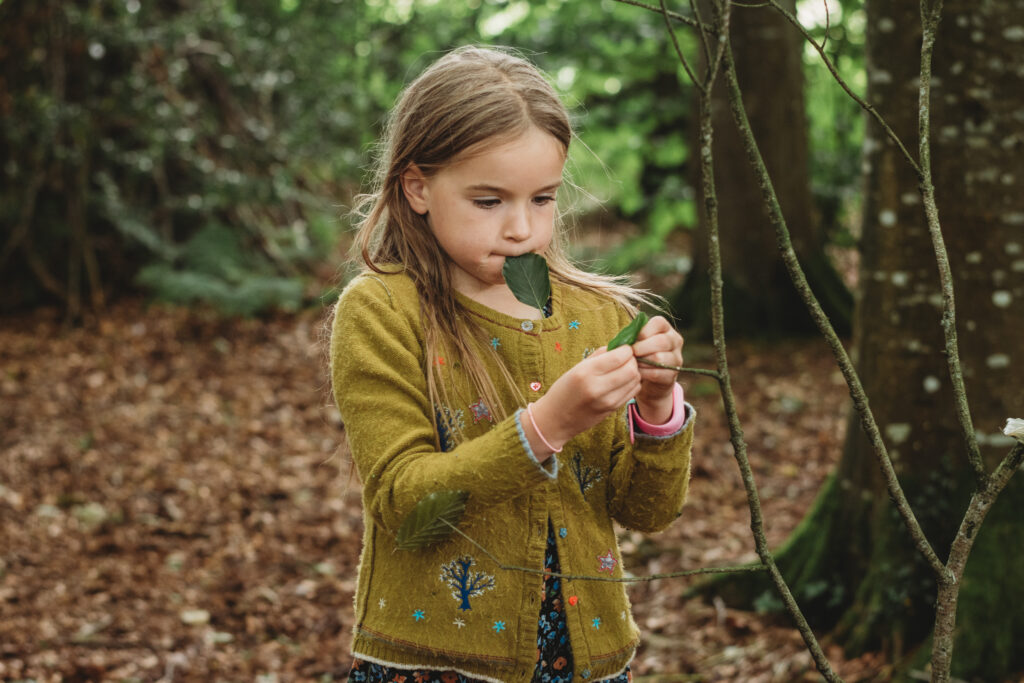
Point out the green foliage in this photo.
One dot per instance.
(128, 128)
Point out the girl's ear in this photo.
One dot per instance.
(416, 190)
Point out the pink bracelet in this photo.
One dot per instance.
(529, 411)
(674, 422)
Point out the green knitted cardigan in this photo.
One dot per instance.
(448, 606)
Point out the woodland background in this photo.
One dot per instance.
(176, 501)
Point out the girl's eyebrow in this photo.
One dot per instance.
(483, 187)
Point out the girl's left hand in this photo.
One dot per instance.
(657, 341)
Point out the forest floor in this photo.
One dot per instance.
(176, 505)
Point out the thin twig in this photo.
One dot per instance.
(694, 371)
(625, 579)
(869, 108)
(828, 21)
(672, 32)
(709, 60)
(689, 21)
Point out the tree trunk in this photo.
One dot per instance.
(851, 563)
(760, 300)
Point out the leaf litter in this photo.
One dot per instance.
(176, 503)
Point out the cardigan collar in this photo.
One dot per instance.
(552, 322)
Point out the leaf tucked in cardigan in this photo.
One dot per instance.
(448, 606)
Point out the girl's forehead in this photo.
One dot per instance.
(534, 149)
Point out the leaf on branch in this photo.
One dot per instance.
(627, 335)
(527, 276)
(426, 523)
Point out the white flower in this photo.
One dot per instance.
(1015, 428)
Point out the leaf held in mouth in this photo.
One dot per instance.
(527, 276)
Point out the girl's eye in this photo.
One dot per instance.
(488, 203)
(544, 199)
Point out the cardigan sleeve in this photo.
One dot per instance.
(650, 476)
(376, 359)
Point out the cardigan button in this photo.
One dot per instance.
(527, 325)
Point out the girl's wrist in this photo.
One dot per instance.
(548, 430)
(657, 411)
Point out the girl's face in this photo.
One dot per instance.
(491, 205)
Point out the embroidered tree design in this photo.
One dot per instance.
(586, 475)
(448, 422)
(465, 584)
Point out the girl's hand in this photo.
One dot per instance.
(659, 342)
(592, 390)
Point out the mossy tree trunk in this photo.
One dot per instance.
(851, 563)
(760, 299)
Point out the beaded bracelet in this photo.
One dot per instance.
(529, 411)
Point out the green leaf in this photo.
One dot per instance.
(425, 524)
(627, 335)
(527, 276)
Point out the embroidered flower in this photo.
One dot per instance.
(382, 602)
(499, 626)
(573, 600)
(563, 532)
(495, 342)
(574, 325)
(398, 679)
(535, 386)
(449, 677)
(418, 615)
(459, 622)
(559, 664)
(587, 351)
(608, 562)
(439, 360)
(596, 622)
(586, 673)
(420, 677)
(558, 346)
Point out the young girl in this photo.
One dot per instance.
(446, 382)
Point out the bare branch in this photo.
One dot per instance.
(709, 60)
(869, 108)
(828, 21)
(679, 53)
(682, 18)
(796, 274)
(929, 25)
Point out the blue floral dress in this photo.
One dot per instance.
(554, 651)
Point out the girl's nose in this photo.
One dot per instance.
(517, 226)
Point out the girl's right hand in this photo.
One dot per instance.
(589, 392)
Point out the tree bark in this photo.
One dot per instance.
(851, 563)
(760, 299)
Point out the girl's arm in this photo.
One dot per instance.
(650, 470)
(379, 386)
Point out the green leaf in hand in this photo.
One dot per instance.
(627, 335)
(527, 276)
(425, 524)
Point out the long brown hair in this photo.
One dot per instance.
(470, 98)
